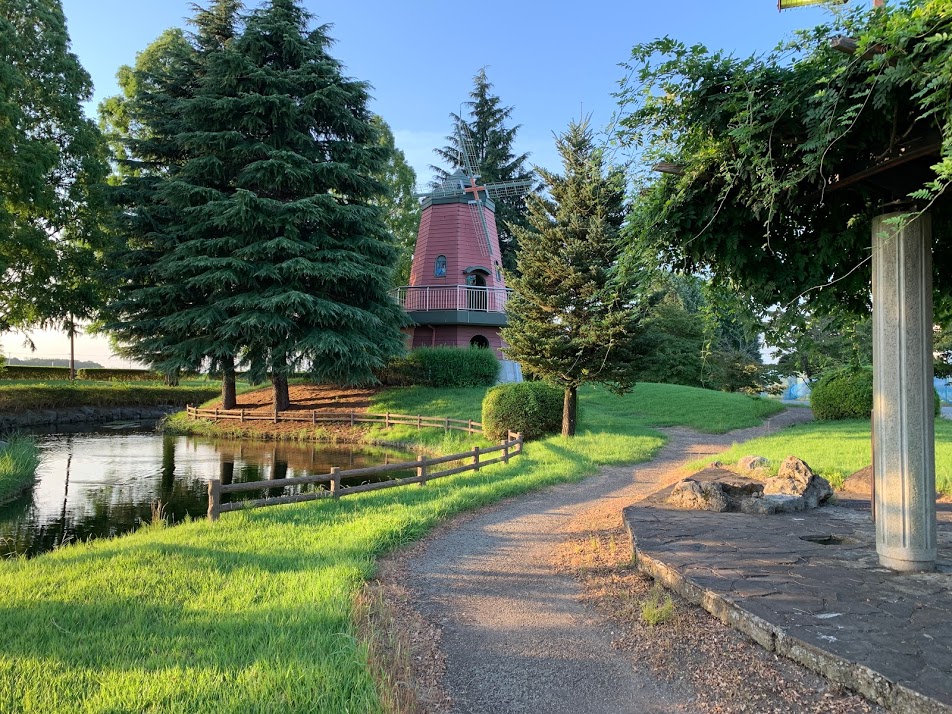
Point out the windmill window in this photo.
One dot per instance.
(439, 270)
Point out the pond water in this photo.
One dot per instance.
(108, 480)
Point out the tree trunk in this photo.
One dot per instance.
(282, 400)
(569, 410)
(72, 349)
(229, 399)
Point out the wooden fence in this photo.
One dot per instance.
(512, 446)
(317, 417)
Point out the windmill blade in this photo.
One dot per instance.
(470, 159)
(482, 229)
(508, 189)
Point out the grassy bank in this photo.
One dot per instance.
(18, 462)
(24, 396)
(254, 613)
(835, 449)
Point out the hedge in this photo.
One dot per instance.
(21, 371)
(533, 408)
(442, 367)
(24, 397)
(847, 393)
(100, 374)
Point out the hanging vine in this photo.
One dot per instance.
(757, 151)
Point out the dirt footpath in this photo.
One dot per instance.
(528, 607)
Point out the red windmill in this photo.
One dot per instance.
(457, 294)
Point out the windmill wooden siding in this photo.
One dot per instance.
(446, 309)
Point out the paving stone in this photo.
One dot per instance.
(853, 619)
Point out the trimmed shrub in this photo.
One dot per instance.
(847, 393)
(118, 375)
(533, 408)
(23, 397)
(22, 371)
(442, 367)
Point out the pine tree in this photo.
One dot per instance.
(570, 320)
(152, 125)
(493, 142)
(52, 163)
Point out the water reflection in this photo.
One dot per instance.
(107, 481)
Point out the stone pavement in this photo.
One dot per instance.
(808, 585)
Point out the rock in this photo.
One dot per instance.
(749, 463)
(691, 495)
(860, 483)
(716, 464)
(3, 445)
(796, 478)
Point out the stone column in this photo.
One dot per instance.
(904, 458)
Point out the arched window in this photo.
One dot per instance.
(439, 270)
(480, 342)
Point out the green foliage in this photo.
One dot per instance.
(18, 462)
(533, 409)
(442, 367)
(3, 363)
(53, 362)
(845, 393)
(52, 161)
(492, 140)
(756, 144)
(25, 397)
(809, 345)
(34, 372)
(657, 608)
(119, 375)
(570, 320)
(835, 450)
(401, 209)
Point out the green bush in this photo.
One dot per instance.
(23, 397)
(119, 375)
(847, 393)
(442, 367)
(20, 371)
(532, 408)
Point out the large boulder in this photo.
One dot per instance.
(698, 496)
(796, 478)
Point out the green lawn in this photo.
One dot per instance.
(18, 462)
(835, 449)
(254, 613)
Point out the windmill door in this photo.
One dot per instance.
(476, 292)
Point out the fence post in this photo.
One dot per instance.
(216, 413)
(446, 425)
(419, 421)
(335, 482)
(352, 417)
(520, 440)
(470, 431)
(214, 499)
(421, 469)
(387, 420)
(313, 417)
(242, 416)
(476, 458)
(275, 415)
(505, 451)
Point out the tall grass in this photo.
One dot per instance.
(835, 449)
(18, 462)
(254, 613)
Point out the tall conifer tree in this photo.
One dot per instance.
(493, 140)
(570, 321)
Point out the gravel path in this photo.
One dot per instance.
(515, 634)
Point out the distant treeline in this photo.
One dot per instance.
(46, 362)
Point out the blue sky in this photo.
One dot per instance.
(550, 61)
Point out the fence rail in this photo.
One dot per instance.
(342, 417)
(512, 446)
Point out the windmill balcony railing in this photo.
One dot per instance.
(452, 297)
